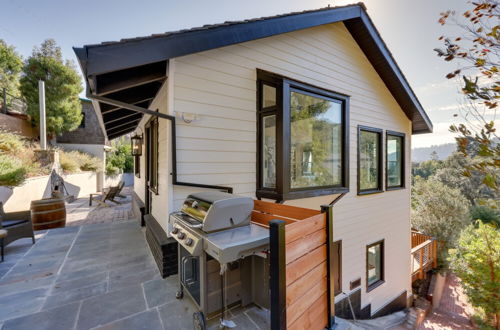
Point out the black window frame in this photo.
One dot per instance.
(284, 86)
(403, 160)
(380, 187)
(137, 166)
(152, 140)
(370, 287)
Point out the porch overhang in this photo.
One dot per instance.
(133, 70)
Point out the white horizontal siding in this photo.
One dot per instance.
(219, 147)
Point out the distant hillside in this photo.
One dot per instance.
(442, 150)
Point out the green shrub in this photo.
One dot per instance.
(120, 158)
(10, 143)
(68, 163)
(12, 171)
(486, 214)
(74, 161)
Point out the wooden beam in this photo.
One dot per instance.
(128, 115)
(113, 130)
(133, 77)
(121, 123)
(110, 108)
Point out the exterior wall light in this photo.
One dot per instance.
(136, 141)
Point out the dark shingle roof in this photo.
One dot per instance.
(217, 25)
(107, 57)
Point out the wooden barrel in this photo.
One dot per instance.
(48, 213)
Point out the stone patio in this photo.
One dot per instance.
(96, 276)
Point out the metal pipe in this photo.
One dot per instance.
(172, 139)
(41, 101)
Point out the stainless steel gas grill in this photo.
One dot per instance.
(222, 255)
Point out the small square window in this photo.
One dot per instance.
(374, 265)
(268, 96)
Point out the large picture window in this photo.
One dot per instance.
(302, 139)
(316, 140)
(374, 265)
(395, 160)
(369, 160)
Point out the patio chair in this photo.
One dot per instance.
(108, 195)
(120, 187)
(17, 224)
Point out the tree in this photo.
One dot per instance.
(120, 158)
(477, 52)
(439, 211)
(62, 88)
(11, 65)
(476, 260)
(426, 168)
(471, 186)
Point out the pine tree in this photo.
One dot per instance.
(62, 88)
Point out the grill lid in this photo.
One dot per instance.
(218, 210)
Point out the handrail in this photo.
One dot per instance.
(418, 238)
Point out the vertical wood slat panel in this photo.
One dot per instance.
(298, 260)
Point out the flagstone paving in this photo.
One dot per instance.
(97, 276)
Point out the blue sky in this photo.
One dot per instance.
(409, 28)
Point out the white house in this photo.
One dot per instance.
(301, 108)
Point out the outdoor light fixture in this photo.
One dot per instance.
(136, 141)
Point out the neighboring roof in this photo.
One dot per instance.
(108, 64)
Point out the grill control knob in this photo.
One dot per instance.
(175, 230)
(189, 242)
(181, 235)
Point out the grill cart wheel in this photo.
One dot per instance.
(179, 294)
(199, 321)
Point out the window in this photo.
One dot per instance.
(395, 160)
(302, 139)
(374, 265)
(369, 160)
(137, 166)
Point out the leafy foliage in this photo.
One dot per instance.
(471, 186)
(74, 161)
(11, 65)
(486, 214)
(18, 159)
(476, 260)
(12, 171)
(62, 88)
(477, 54)
(439, 211)
(426, 168)
(120, 158)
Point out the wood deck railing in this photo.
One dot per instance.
(423, 255)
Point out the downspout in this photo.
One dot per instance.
(172, 139)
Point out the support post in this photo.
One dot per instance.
(434, 254)
(41, 101)
(421, 261)
(330, 255)
(277, 270)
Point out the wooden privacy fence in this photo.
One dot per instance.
(302, 292)
(423, 255)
